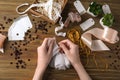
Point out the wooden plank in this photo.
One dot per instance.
(8, 63)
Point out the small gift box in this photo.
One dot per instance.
(48, 10)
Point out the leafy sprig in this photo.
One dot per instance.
(96, 8)
(108, 20)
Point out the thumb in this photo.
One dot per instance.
(64, 48)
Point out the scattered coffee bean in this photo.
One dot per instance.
(25, 49)
(109, 56)
(6, 22)
(33, 20)
(1, 24)
(28, 59)
(11, 54)
(9, 20)
(115, 60)
(17, 67)
(11, 62)
(4, 17)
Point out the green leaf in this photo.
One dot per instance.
(95, 8)
(108, 20)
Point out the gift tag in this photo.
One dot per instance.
(80, 8)
(87, 24)
(17, 35)
(106, 9)
(19, 27)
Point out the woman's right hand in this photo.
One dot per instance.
(71, 50)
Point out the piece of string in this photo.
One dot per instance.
(26, 4)
(50, 9)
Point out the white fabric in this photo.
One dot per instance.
(59, 60)
(2, 50)
(63, 34)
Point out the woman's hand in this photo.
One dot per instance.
(44, 57)
(45, 52)
(71, 50)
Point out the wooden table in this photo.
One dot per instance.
(19, 60)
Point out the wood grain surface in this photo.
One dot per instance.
(19, 60)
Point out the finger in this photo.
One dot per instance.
(51, 47)
(64, 48)
(67, 42)
(45, 42)
(38, 49)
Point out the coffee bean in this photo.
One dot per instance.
(20, 61)
(4, 17)
(6, 22)
(11, 54)
(33, 19)
(18, 45)
(28, 59)
(11, 62)
(9, 20)
(15, 58)
(109, 56)
(20, 49)
(25, 49)
(3, 27)
(24, 44)
(17, 67)
(33, 38)
(23, 67)
(1, 24)
(115, 60)
(18, 57)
